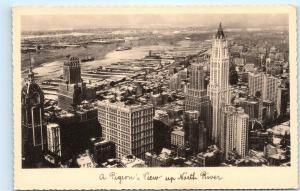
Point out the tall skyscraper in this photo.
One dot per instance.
(194, 131)
(130, 127)
(218, 88)
(196, 97)
(197, 77)
(72, 70)
(33, 127)
(71, 90)
(236, 125)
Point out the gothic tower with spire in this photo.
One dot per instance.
(33, 127)
(219, 89)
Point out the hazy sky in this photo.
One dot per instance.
(50, 22)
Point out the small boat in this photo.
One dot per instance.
(88, 59)
(123, 48)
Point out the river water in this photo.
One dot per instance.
(54, 69)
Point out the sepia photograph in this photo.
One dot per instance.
(154, 90)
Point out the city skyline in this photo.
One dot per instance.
(192, 103)
(73, 22)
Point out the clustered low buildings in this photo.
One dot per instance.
(183, 112)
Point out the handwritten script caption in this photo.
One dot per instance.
(149, 176)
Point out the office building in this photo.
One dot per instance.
(72, 91)
(196, 97)
(156, 99)
(258, 139)
(76, 130)
(236, 126)
(194, 131)
(266, 85)
(282, 101)
(85, 160)
(249, 67)
(161, 131)
(174, 82)
(218, 88)
(129, 126)
(177, 138)
(183, 75)
(252, 106)
(211, 157)
(199, 101)
(255, 84)
(102, 149)
(54, 139)
(197, 77)
(139, 89)
(268, 112)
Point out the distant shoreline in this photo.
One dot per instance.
(97, 51)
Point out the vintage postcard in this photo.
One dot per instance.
(155, 97)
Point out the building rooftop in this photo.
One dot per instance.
(166, 151)
(72, 61)
(156, 95)
(160, 114)
(99, 140)
(178, 132)
(281, 129)
(131, 161)
(52, 125)
(85, 161)
(278, 156)
(67, 115)
(121, 104)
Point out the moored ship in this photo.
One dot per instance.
(123, 48)
(87, 59)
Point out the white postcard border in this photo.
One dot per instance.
(230, 177)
